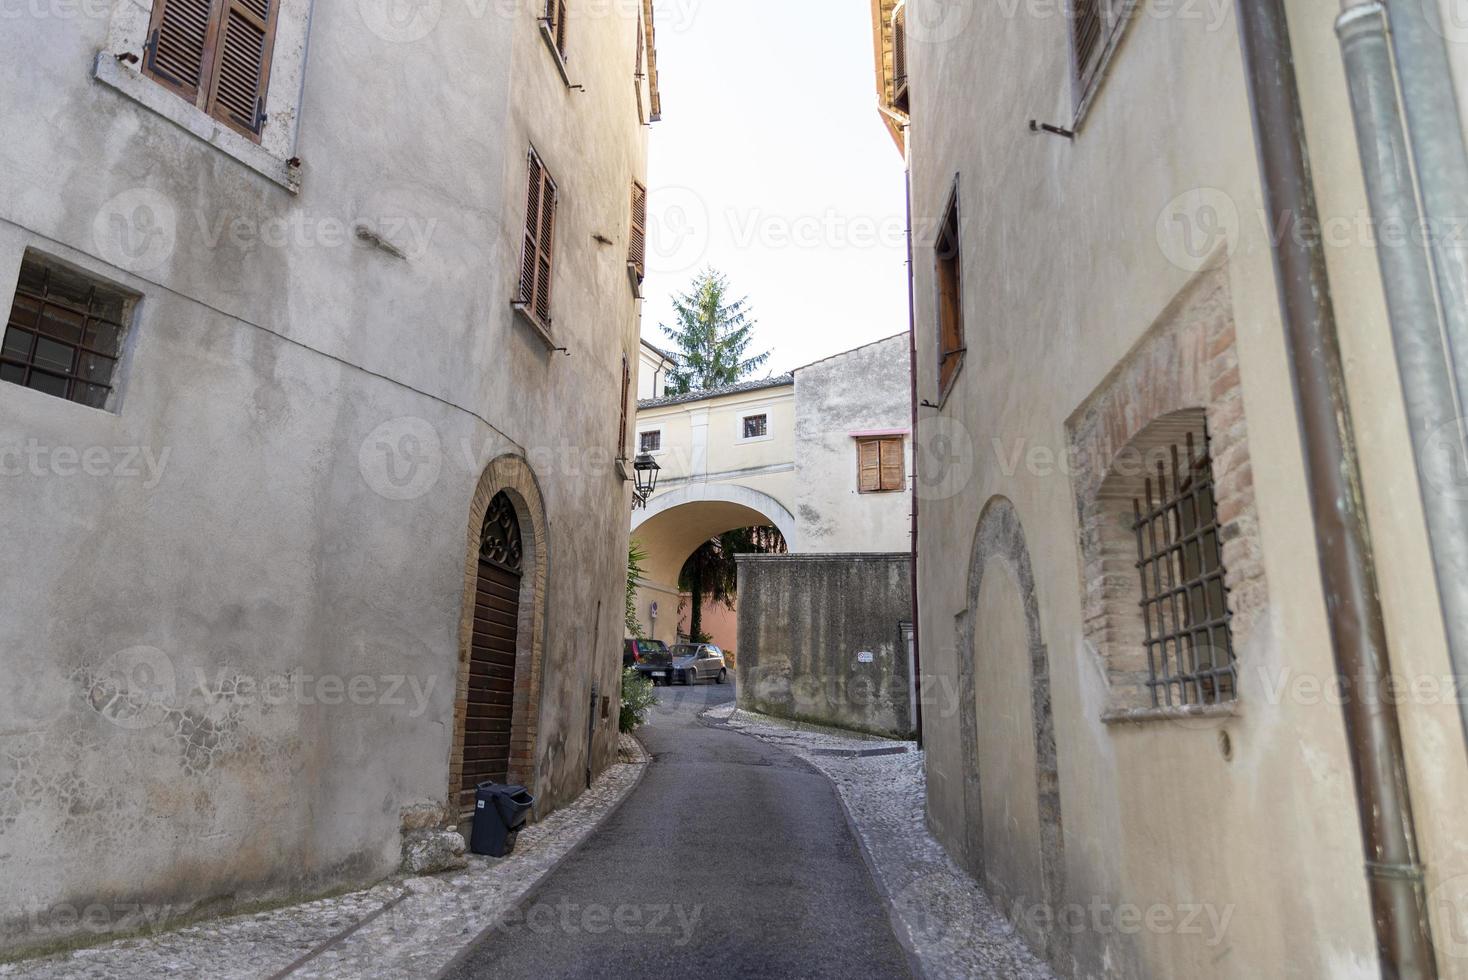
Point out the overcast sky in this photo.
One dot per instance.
(772, 165)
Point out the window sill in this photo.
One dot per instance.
(745, 441)
(1142, 716)
(522, 312)
(549, 37)
(149, 94)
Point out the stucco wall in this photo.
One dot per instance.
(284, 588)
(1072, 252)
(820, 639)
(860, 391)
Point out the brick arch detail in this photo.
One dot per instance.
(1000, 534)
(510, 474)
(1184, 371)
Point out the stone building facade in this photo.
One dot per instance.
(341, 307)
(1101, 362)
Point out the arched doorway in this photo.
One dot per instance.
(489, 712)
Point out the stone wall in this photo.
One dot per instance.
(807, 624)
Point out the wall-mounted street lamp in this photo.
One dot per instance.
(645, 473)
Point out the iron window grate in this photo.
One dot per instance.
(64, 335)
(1185, 615)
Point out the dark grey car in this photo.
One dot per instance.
(685, 663)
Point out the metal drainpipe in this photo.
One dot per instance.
(1358, 633)
(1433, 408)
(917, 661)
(1436, 133)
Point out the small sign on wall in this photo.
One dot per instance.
(864, 657)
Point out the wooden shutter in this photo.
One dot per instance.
(181, 40)
(216, 54)
(557, 13)
(242, 69)
(540, 223)
(637, 250)
(950, 297)
(869, 465)
(1086, 32)
(891, 462)
(626, 390)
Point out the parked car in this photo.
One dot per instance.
(685, 663)
(633, 651)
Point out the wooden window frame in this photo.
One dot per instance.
(537, 256)
(107, 310)
(211, 92)
(884, 447)
(948, 294)
(900, 92)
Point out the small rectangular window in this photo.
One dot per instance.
(626, 390)
(65, 332)
(950, 297)
(756, 426)
(881, 465)
(650, 442)
(536, 258)
(216, 54)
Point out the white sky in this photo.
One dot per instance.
(772, 165)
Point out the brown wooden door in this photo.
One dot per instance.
(491, 697)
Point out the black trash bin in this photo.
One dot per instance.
(499, 813)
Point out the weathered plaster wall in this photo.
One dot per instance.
(237, 667)
(859, 391)
(803, 621)
(1072, 252)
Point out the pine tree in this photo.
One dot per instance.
(712, 335)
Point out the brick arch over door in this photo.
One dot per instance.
(512, 476)
(1000, 535)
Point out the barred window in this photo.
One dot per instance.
(65, 332)
(756, 426)
(1184, 601)
(650, 442)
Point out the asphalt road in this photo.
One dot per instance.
(732, 858)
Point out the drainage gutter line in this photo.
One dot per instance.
(1357, 628)
(1435, 129)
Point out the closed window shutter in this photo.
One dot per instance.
(181, 41)
(216, 54)
(626, 390)
(556, 11)
(540, 224)
(950, 297)
(638, 247)
(1086, 28)
(242, 71)
(869, 465)
(891, 463)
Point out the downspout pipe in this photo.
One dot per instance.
(1348, 577)
(917, 661)
(1441, 162)
(1434, 412)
